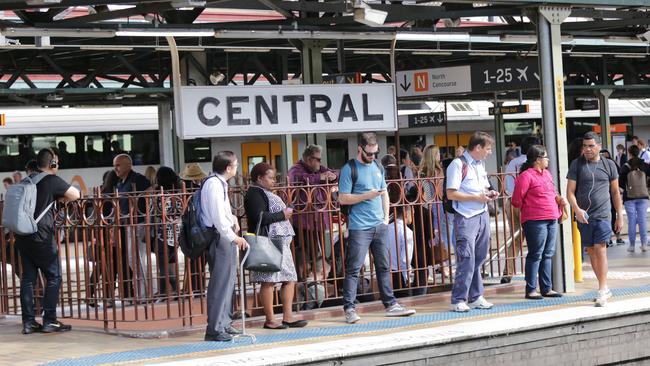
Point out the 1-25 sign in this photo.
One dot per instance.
(506, 75)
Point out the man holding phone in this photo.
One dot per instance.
(367, 223)
(469, 189)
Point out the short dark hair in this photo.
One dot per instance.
(634, 151)
(31, 166)
(167, 178)
(592, 136)
(403, 154)
(8, 180)
(529, 141)
(479, 138)
(367, 139)
(222, 160)
(45, 157)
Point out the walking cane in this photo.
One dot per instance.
(242, 299)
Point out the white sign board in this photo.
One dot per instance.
(444, 80)
(222, 111)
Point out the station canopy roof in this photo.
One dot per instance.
(77, 52)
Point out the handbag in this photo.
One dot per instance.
(563, 209)
(263, 255)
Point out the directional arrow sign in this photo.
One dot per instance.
(431, 119)
(444, 80)
(505, 75)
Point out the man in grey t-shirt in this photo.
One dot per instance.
(592, 182)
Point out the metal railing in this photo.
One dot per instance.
(121, 262)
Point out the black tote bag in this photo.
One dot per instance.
(263, 255)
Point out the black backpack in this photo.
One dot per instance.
(354, 174)
(195, 238)
(448, 204)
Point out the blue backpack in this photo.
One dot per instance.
(195, 237)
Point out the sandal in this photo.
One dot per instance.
(277, 327)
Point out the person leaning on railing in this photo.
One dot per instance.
(535, 195)
(262, 204)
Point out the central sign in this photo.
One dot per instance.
(286, 109)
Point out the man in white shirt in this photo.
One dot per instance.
(222, 258)
(644, 154)
(512, 170)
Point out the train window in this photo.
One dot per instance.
(142, 146)
(94, 151)
(67, 151)
(10, 152)
(197, 150)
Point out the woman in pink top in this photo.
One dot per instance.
(534, 195)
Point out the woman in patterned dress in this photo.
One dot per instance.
(276, 225)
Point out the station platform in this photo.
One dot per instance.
(433, 333)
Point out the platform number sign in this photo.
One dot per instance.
(506, 75)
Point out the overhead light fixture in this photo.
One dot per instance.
(364, 14)
(57, 32)
(631, 55)
(528, 39)
(114, 96)
(432, 53)
(585, 54)
(486, 53)
(42, 2)
(187, 4)
(247, 49)
(632, 40)
(165, 33)
(182, 48)
(301, 34)
(371, 52)
(432, 37)
(105, 48)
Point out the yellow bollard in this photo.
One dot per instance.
(577, 251)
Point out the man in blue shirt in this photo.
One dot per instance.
(470, 191)
(367, 224)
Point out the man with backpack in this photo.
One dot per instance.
(468, 188)
(363, 189)
(222, 255)
(39, 250)
(592, 183)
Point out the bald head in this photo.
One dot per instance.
(122, 164)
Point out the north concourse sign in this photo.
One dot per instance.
(222, 111)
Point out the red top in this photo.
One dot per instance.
(535, 195)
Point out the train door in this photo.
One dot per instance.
(263, 151)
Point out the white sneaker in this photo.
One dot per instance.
(460, 307)
(398, 310)
(603, 296)
(480, 303)
(351, 316)
(630, 249)
(644, 247)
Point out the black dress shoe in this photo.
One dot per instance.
(534, 296)
(55, 327)
(32, 327)
(277, 327)
(506, 279)
(218, 337)
(296, 324)
(233, 331)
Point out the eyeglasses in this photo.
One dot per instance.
(369, 154)
(543, 157)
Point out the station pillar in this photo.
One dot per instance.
(165, 134)
(605, 131)
(549, 43)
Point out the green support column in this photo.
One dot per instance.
(605, 131)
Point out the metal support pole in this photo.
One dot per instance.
(499, 132)
(554, 124)
(312, 71)
(165, 134)
(393, 75)
(605, 131)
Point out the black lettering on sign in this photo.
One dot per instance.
(201, 111)
(293, 99)
(347, 109)
(323, 109)
(232, 110)
(271, 113)
(366, 115)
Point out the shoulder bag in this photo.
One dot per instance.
(263, 255)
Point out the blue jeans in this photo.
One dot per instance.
(636, 215)
(541, 236)
(472, 245)
(355, 253)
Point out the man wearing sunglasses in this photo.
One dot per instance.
(306, 221)
(367, 223)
